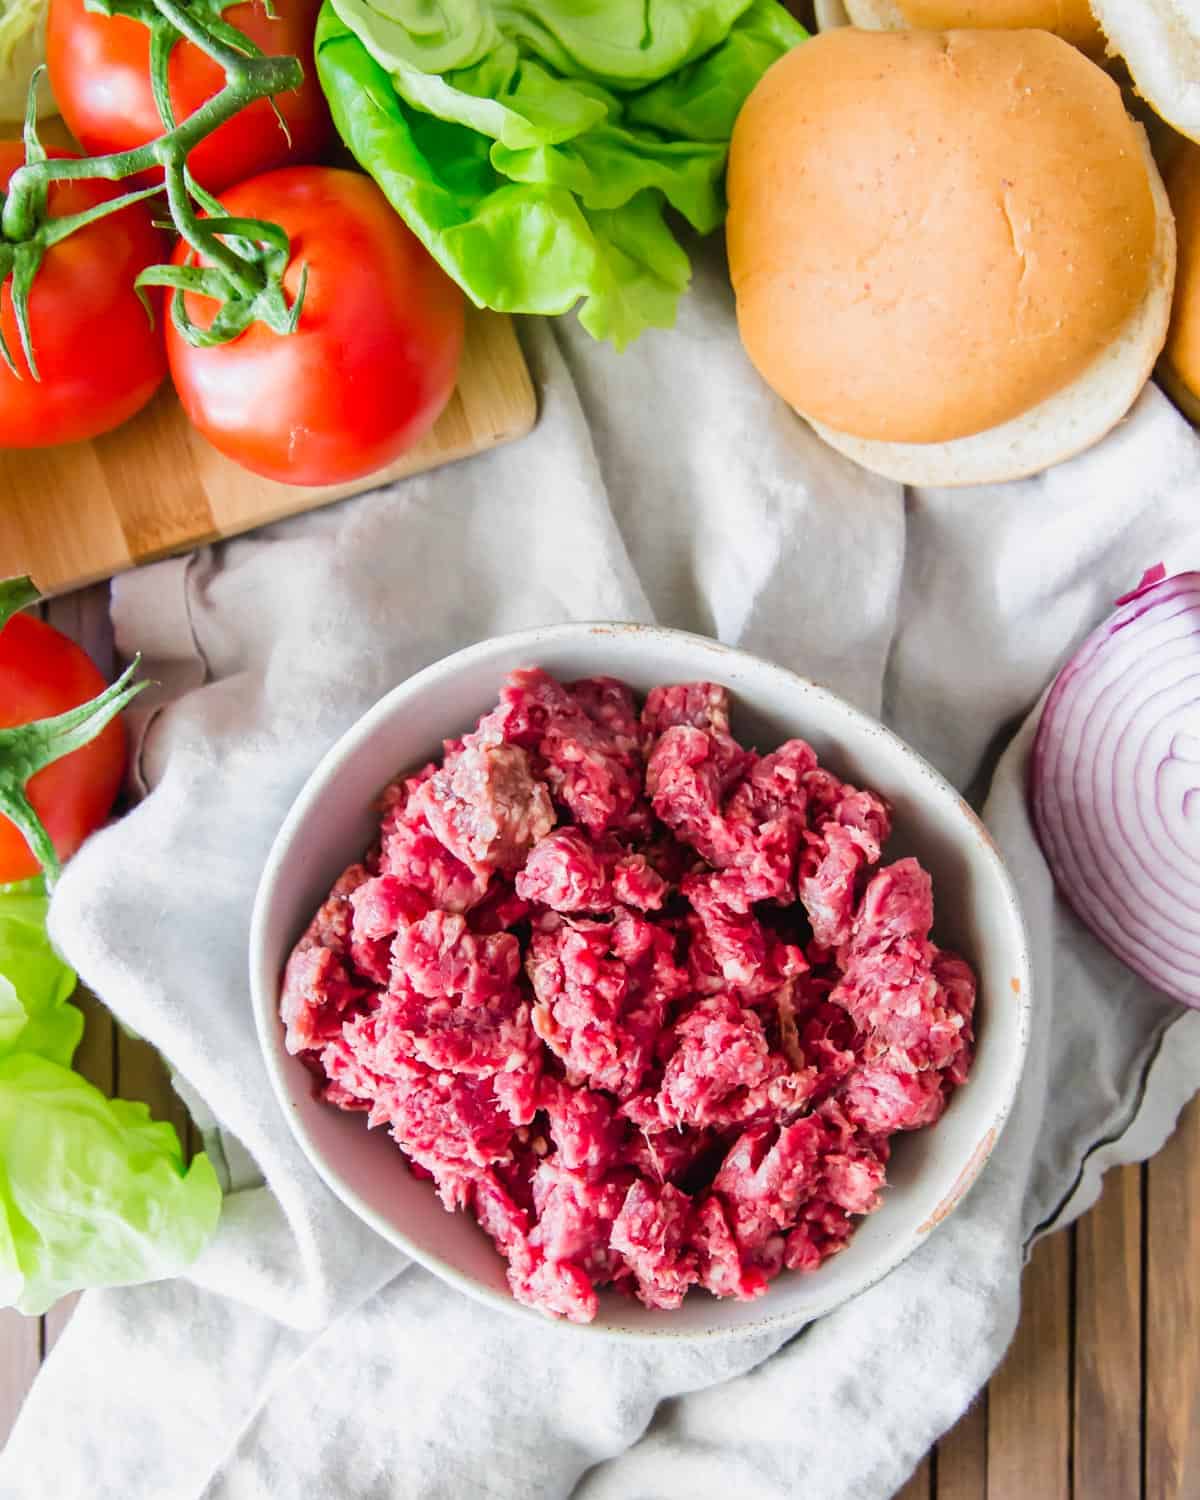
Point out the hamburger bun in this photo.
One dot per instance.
(1160, 43)
(967, 282)
(1070, 19)
(1180, 368)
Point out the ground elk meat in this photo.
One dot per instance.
(649, 1004)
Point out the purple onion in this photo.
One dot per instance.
(1115, 782)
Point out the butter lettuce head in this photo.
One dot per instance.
(535, 149)
(92, 1191)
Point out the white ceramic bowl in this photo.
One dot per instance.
(331, 824)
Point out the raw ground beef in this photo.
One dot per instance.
(645, 1002)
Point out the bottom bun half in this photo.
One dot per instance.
(1160, 42)
(1062, 425)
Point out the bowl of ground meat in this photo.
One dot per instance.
(629, 981)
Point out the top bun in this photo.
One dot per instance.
(931, 233)
(1070, 19)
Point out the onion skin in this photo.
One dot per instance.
(1115, 783)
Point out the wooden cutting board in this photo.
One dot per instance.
(72, 515)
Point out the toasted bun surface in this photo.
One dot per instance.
(944, 260)
(1066, 423)
(1181, 357)
(1070, 19)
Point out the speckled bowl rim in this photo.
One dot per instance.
(264, 979)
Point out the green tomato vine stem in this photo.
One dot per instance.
(246, 277)
(26, 749)
(243, 274)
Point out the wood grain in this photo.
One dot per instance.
(56, 1320)
(153, 482)
(1172, 1470)
(1108, 1343)
(71, 515)
(20, 1355)
(1029, 1412)
(142, 1074)
(24, 1342)
(962, 1457)
(920, 1485)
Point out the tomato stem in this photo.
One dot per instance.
(17, 808)
(241, 272)
(258, 78)
(58, 229)
(231, 57)
(16, 594)
(26, 749)
(251, 270)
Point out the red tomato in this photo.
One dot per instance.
(43, 673)
(99, 357)
(374, 358)
(100, 74)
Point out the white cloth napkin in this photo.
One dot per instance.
(303, 1356)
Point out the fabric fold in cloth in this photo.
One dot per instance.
(666, 484)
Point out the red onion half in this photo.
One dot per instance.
(1115, 782)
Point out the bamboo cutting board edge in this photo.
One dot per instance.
(155, 488)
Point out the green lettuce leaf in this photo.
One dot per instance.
(92, 1191)
(624, 43)
(644, 272)
(35, 984)
(535, 149)
(703, 100)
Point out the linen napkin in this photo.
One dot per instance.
(302, 1354)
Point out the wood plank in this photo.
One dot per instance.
(96, 1061)
(40, 491)
(84, 616)
(962, 1458)
(1029, 1411)
(142, 1074)
(1172, 1470)
(1108, 1342)
(920, 1484)
(20, 1353)
(72, 515)
(96, 1057)
(57, 1319)
(156, 492)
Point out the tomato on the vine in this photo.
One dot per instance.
(373, 360)
(43, 673)
(100, 74)
(99, 356)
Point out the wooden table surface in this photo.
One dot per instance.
(1099, 1397)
